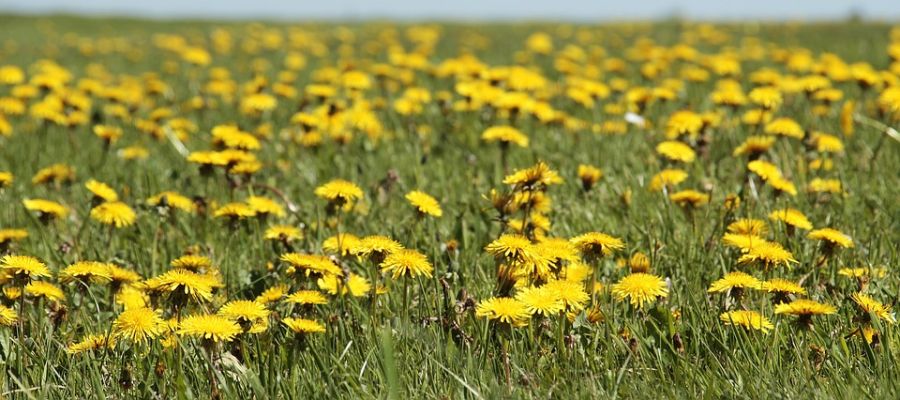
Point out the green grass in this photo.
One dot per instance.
(422, 356)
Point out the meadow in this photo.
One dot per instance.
(199, 209)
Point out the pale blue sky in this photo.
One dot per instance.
(578, 10)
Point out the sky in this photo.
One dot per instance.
(509, 10)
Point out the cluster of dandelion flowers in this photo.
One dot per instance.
(750, 320)
(302, 326)
(138, 325)
(114, 213)
(406, 262)
(24, 267)
(640, 289)
(424, 203)
(212, 328)
(504, 310)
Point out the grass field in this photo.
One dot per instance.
(198, 210)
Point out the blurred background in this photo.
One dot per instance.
(507, 10)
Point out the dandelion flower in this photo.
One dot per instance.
(406, 262)
(375, 247)
(640, 289)
(114, 213)
(689, 198)
(870, 306)
(138, 325)
(735, 280)
(86, 271)
(769, 254)
(312, 264)
(355, 285)
(306, 297)
(214, 328)
(750, 320)
(504, 310)
(424, 203)
(8, 316)
(45, 289)
(748, 226)
(596, 244)
(832, 237)
(272, 294)
(303, 326)
(284, 233)
(101, 190)
(534, 178)
(541, 300)
(804, 310)
(506, 135)
(26, 267)
(791, 217)
(589, 175)
(676, 151)
(571, 293)
(339, 191)
(667, 178)
(90, 343)
(46, 208)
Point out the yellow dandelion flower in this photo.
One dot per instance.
(406, 262)
(541, 300)
(138, 325)
(339, 191)
(505, 135)
(750, 320)
(735, 280)
(589, 175)
(534, 178)
(8, 316)
(355, 285)
(791, 217)
(831, 237)
(265, 206)
(748, 226)
(272, 294)
(303, 326)
(101, 190)
(689, 198)
(640, 289)
(424, 203)
(870, 306)
(284, 233)
(312, 264)
(234, 211)
(46, 208)
(596, 244)
(214, 328)
(90, 343)
(26, 267)
(667, 178)
(504, 310)
(676, 151)
(769, 254)
(114, 213)
(86, 271)
(174, 200)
